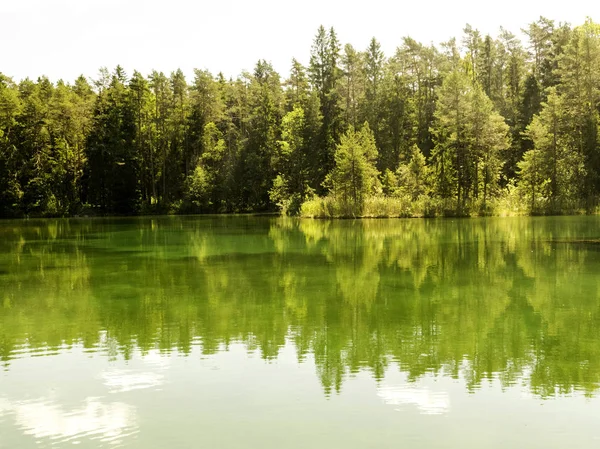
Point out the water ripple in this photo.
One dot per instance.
(108, 422)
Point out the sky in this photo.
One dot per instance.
(63, 39)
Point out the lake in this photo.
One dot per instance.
(265, 332)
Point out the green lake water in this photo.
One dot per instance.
(263, 332)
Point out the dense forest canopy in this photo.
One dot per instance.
(476, 125)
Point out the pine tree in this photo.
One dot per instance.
(355, 175)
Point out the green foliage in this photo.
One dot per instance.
(325, 73)
(354, 175)
(10, 187)
(533, 184)
(291, 185)
(389, 183)
(470, 137)
(414, 177)
(449, 128)
(203, 185)
(555, 160)
(199, 188)
(265, 107)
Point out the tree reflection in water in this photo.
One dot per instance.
(504, 298)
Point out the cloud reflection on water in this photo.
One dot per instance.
(428, 402)
(119, 381)
(105, 421)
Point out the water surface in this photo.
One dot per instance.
(256, 332)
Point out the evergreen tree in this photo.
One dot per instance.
(265, 103)
(374, 60)
(453, 157)
(469, 138)
(142, 107)
(355, 175)
(324, 75)
(113, 163)
(580, 88)
(414, 176)
(10, 187)
(563, 164)
(351, 85)
(206, 183)
(291, 184)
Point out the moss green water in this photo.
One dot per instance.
(250, 332)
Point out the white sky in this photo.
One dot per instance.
(66, 38)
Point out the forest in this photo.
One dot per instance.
(478, 125)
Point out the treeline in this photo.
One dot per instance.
(480, 125)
